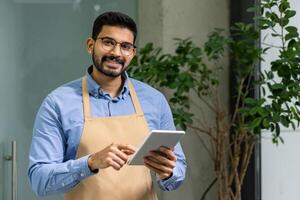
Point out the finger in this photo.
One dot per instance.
(114, 149)
(168, 152)
(170, 148)
(112, 163)
(132, 148)
(117, 159)
(119, 155)
(158, 166)
(125, 147)
(157, 171)
(163, 159)
(127, 152)
(161, 175)
(153, 158)
(161, 170)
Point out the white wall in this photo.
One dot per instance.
(281, 164)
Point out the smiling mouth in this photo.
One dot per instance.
(113, 64)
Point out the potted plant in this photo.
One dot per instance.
(195, 71)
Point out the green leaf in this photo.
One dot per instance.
(255, 123)
(253, 111)
(244, 110)
(263, 91)
(291, 35)
(284, 121)
(293, 125)
(290, 13)
(292, 43)
(266, 49)
(274, 17)
(266, 123)
(283, 22)
(277, 86)
(291, 29)
(270, 74)
(272, 127)
(251, 9)
(277, 129)
(284, 6)
(276, 117)
(276, 35)
(281, 139)
(250, 101)
(262, 112)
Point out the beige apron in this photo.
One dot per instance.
(130, 182)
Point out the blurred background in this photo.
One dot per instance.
(42, 45)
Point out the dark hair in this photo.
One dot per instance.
(114, 19)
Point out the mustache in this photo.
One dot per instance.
(113, 58)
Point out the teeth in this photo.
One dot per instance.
(111, 61)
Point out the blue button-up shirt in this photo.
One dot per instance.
(58, 127)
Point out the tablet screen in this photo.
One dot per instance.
(155, 139)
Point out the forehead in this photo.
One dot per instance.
(118, 33)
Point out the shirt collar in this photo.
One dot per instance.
(96, 91)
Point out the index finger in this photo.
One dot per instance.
(126, 147)
(168, 152)
(167, 148)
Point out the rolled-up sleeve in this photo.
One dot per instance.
(48, 173)
(178, 176)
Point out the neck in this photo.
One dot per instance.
(111, 85)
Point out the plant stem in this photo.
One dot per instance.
(237, 101)
(282, 32)
(201, 130)
(208, 189)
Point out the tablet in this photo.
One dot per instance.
(155, 139)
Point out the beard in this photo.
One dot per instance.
(98, 63)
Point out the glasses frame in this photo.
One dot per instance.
(127, 53)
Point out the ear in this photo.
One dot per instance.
(90, 45)
(134, 53)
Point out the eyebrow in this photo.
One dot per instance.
(108, 37)
(116, 40)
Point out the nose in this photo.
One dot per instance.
(116, 50)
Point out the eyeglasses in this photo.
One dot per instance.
(109, 44)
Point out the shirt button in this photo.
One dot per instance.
(169, 187)
(82, 174)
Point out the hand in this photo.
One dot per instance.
(114, 155)
(161, 161)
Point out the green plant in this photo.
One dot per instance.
(194, 71)
(182, 72)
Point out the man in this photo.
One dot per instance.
(86, 130)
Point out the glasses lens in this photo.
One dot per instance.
(108, 44)
(127, 48)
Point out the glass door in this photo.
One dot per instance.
(42, 47)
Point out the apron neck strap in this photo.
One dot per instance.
(134, 98)
(86, 99)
